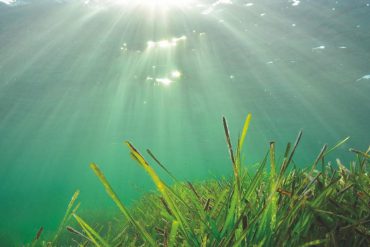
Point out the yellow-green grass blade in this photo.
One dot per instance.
(244, 132)
(163, 189)
(273, 186)
(340, 143)
(74, 210)
(91, 233)
(140, 159)
(173, 233)
(120, 205)
(230, 216)
(317, 242)
(66, 215)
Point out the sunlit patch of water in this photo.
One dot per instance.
(295, 2)
(165, 43)
(365, 77)
(319, 48)
(176, 74)
(8, 1)
(165, 79)
(214, 5)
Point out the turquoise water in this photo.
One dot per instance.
(77, 78)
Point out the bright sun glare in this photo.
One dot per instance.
(161, 3)
(167, 2)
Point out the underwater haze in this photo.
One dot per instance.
(77, 78)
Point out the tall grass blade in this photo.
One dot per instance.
(287, 161)
(340, 143)
(318, 158)
(295, 147)
(273, 186)
(163, 189)
(93, 235)
(365, 155)
(317, 242)
(37, 237)
(228, 141)
(66, 215)
(74, 231)
(173, 233)
(161, 165)
(244, 132)
(120, 205)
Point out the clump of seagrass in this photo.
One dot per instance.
(282, 207)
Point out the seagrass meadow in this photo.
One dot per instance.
(119, 105)
(322, 205)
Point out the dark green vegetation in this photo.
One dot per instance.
(276, 204)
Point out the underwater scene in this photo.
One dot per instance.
(184, 123)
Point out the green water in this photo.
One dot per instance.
(77, 79)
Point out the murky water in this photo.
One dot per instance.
(77, 78)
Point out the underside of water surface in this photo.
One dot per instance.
(79, 78)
